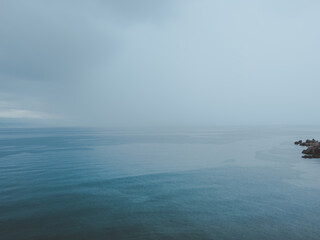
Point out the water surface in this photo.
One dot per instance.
(186, 183)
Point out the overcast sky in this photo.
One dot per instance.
(168, 62)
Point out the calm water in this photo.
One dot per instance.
(196, 183)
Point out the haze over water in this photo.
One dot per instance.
(90, 92)
(185, 183)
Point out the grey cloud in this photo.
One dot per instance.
(52, 40)
(141, 10)
(43, 43)
(166, 62)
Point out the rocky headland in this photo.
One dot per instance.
(313, 150)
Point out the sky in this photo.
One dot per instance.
(159, 63)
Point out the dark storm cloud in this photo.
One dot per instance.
(54, 40)
(145, 62)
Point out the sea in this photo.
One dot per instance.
(158, 183)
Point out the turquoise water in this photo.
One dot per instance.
(186, 183)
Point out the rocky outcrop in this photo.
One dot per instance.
(313, 150)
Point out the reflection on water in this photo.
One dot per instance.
(230, 183)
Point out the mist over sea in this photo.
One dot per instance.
(158, 183)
